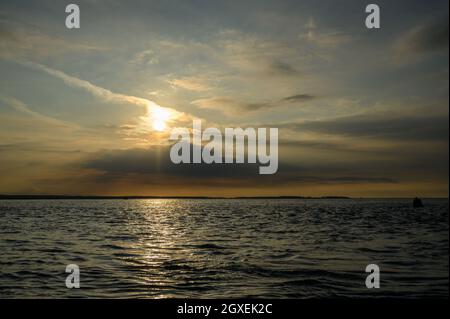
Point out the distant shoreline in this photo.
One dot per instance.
(160, 197)
(69, 197)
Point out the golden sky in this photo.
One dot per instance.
(89, 111)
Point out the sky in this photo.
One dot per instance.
(360, 112)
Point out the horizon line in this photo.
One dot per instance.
(55, 196)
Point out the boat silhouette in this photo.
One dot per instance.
(417, 202)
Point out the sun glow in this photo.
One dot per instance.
(159, 118)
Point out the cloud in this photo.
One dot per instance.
(385, 126)
(248, 53)
(325, 39)
(146, 57)
(142, 129)
(229, 55)
(191, 83)
(277, 67)
(152, 110)
(228, 105)
(104, 94)
(23, 108)
(232, 106)
(23, 40)
(299, 98)
(153, 166)
(428, 37)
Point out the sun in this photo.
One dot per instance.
(159, 125)
(160, 117)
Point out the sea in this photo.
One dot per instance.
(224, 248)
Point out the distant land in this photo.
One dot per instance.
(68, 197)
(161, 197)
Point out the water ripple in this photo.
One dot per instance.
(223, 248)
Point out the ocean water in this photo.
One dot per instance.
(213, 248)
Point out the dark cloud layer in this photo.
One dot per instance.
(154, 165)
(299, 98)
(429, 37)
(277, 67)
(419, 128)
(156, 160)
